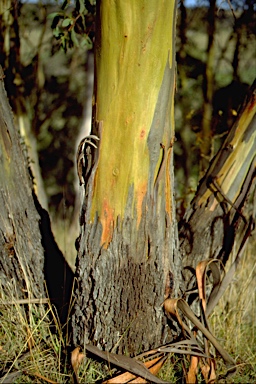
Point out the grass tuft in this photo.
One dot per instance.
(234, 319)
(32, 346)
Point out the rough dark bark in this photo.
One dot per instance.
(215, 220)
(22, 254)
(128, 261)
(29, 255)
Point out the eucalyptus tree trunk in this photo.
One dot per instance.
(127, 260)
(216, 219)
(21, 250)
(29, 255)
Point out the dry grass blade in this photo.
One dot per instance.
(208, 371)
(76, 360)
(219, 287)
(154, 368)
(185, 347)
(10, 377)
(191, 376)
(207, 366)
(41, 377)
(201, 273)
(173, 305)
(153, 365)
(120, 379)
(26, 301)
(126, 363)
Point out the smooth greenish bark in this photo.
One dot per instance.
(131, 59)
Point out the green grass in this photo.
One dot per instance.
(33, 348)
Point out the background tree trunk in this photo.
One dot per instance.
(205, 136)
(15, 79)
(128, 260)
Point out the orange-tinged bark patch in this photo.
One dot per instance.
(142, 133)
(107, 221)
(141, 192)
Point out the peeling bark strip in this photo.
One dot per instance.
(210, 226)
(128, 261)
